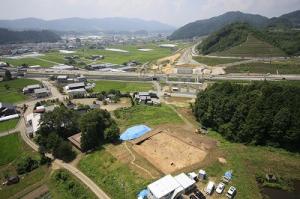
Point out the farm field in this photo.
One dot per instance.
(115, 178)
(13, 90)
(8, 125)
(252, 47)
(149, 115)
(52, 58)
(124, 87)
(213, 61)
(264, 67)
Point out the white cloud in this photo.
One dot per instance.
(176, 12)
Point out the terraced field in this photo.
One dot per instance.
(253, 47)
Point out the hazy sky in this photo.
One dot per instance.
(173, 12)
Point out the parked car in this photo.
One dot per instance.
(199, 194)
(220, 188)
(231, 192)
(193, 197)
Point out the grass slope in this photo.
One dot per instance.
(252, 47)
(264, 67)
(14, 93)
(115, 178)
(29, 61)
(149, 115)
(213, 61)
(247, 162)
(122, 86)
(8, 125)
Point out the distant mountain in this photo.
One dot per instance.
(10, 37)
(290, 20)
(207, 26)
(80, 24)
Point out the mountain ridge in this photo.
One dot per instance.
(207, 26)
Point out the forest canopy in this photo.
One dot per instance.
(261, 113)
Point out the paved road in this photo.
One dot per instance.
(21, 127)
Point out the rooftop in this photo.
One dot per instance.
(184, 180)
(163, 186)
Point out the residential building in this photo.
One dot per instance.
(33, 123)
(41, 92)
(31, 88)
(7, 109)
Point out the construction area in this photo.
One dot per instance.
(168, 153)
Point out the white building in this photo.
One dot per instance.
(170, 187)
(33, 123)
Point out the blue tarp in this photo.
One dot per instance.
(143, 194)
(134, 132)
(228, 175)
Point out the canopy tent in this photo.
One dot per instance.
(134, 132)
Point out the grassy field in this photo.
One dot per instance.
(213, 61)
(115, 178)
(30, 61)
(149, 115)
(13, 90)
(69, 187)
(10, 148)
(247, 162)
(264, 67)
(8, 125)
(122, 86)
(253, 47)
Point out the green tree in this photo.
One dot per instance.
(64, 152)
(7, 76)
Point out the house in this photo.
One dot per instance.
(147, 98)
(62, 78)
(165, 188)
(33, 123)
(75, 86)
(7, 109)
(80, 79)
(31, 88)
(76, 92)
(41, 92)
(76, 140)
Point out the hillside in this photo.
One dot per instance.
(9, 37)
(81, 24)
(242, 40)
(207, 26)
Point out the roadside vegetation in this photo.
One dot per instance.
(123, 87)
(114, 177)
(13, 90)
(213, 61)
(266, 67)
(63, 185)
(144, 114)
(8, 125)
(260, 113)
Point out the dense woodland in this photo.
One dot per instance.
(235, 34)
(28, 36)
(260, 113)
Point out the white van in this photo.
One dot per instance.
(210, 188)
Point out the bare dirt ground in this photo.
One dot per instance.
(179, 101)
(84, 101)
(168, 153)
(124, 102)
